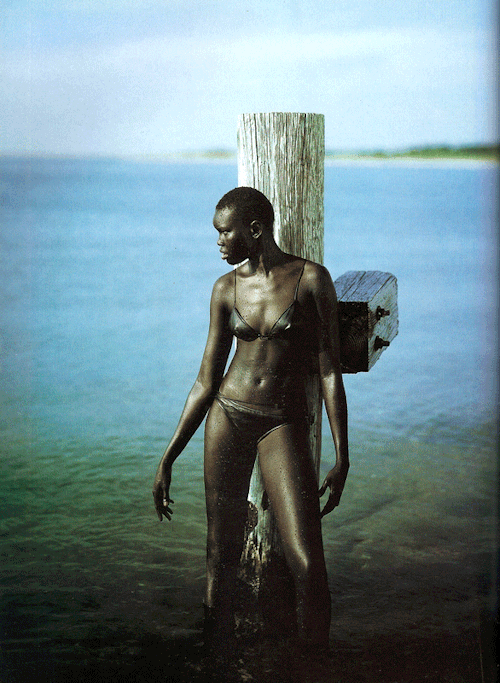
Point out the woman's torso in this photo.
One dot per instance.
(273, 319)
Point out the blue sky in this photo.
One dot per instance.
(157, 76)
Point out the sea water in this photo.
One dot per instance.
(106, 272)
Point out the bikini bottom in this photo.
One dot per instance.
(255, 421)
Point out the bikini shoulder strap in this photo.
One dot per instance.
(298, 281)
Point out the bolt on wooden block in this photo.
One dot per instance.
(368, 317)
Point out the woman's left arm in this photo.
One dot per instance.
(332, 384)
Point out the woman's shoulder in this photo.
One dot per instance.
(316, 275)
(318, 283)
(223, 289)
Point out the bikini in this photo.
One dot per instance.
(256, 421)
(242, 330)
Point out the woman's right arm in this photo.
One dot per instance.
(200, 397)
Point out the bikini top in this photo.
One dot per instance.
(242, 330)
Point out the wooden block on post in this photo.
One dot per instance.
(368, 317)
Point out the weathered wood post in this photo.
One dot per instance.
(282, 155)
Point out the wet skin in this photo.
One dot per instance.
(265, 371)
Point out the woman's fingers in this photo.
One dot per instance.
(329, 506)
(334, 480)
(333, 498)
(331, 503)
(162, 504)
(167, 510)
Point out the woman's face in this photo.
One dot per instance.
(235, 240)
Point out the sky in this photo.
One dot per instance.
(151, 77)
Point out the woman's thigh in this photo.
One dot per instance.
(290, 482)
(229, 461)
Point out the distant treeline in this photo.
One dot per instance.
(487, 152)
(480, 152)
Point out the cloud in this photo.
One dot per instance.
(173, 92)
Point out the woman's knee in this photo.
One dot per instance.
(307, 567)
(301, 565)
(225, 532)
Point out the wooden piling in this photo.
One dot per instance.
(282, 155)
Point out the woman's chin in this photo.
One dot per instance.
(233, 259)
(230, 260)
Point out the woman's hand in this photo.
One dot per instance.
(161, 488)
(335, 481)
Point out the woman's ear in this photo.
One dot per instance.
(256, 229)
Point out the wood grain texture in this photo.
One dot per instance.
(282, 155)
(368, 317)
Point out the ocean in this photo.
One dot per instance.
(106, 271)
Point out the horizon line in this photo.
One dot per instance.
(229, 153)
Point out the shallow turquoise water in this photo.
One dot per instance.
(101, 340)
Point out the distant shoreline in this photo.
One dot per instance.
(412, 162)
(435, 157)
(339, 160)
(428, 155)
(462, 157)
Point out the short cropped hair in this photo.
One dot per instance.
(249, 205)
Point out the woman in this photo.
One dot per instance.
(283, 312)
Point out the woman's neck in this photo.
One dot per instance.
(267, 256)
